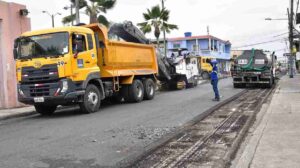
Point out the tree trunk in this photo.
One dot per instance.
(156, 32)
(93, 18)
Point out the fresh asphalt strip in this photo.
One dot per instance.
(135, 157)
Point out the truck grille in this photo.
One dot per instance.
(36, 90)
(39, 75)
(39, 90)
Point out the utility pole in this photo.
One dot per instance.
(52, 16)
(164, 31)
(77, 11)
(291, 57)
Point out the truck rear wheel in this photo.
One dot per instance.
(270, 84)
(149, 89)
(135, 91)
(45, 109)
(91, 100)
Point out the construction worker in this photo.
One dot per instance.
(214, 79)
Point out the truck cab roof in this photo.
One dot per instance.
(59, 29)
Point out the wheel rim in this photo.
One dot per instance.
(139, 91)
(93, 99)
(151, 89)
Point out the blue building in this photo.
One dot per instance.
(203, 46)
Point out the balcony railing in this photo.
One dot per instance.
(216, 54)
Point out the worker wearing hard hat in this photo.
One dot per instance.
(214, 79)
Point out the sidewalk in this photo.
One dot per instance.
(16, 112)
(275, 142)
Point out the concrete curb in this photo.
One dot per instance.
(126, 163)
(16, 113)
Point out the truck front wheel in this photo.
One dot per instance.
(45, 109)
(149, 87)
(91, 100)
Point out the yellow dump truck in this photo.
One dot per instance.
(80, 65)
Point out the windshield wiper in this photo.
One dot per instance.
(55, 56)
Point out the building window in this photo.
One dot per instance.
(176, 45)
(195, 47)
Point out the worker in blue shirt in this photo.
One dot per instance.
(214, 79)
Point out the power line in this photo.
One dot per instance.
(283, 49)
(254, 44)
(281, 34)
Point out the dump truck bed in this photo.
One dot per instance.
(127, 59)
(117, 59)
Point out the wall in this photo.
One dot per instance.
(12, 25)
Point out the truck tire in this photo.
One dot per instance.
(205, 75)
(270, 84)
(45, 109)
(195, 84)
(135, 91)
(91, 100)
(149, 89)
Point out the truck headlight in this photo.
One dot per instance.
(64, 86)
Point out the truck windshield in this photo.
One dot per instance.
(53, 44)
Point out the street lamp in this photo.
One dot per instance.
(52, 16)
(276, 19)
(71, 10)
(291, 35)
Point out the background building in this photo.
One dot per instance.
(13, 22)
(207, 46)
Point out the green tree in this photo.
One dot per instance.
(93, 8)
(156, 19)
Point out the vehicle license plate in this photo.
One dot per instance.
(39, 99)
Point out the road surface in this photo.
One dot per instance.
(105, 138)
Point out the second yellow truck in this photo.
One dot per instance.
(80, 65)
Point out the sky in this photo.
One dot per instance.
(242, 22)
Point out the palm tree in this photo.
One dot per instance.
(157, 19)
(92, 9)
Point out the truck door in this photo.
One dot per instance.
(84, 56)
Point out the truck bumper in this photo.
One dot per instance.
(69, 98)
(62, 92)
(251, 80)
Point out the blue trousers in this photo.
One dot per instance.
(215, 88)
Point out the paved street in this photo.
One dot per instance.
(104, 138)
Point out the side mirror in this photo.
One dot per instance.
(77, 43)
(15, 53)
(208, 60)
